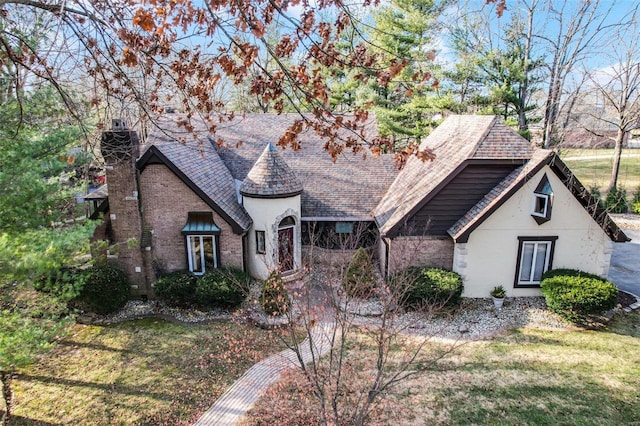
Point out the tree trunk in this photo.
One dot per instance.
(7, 394)
(617, 153)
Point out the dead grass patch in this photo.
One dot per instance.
(525, 376)
(139, 372)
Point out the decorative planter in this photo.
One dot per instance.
(498, 301)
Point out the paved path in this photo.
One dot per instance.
(241, 396)
(625, 263)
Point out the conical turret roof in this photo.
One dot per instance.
(270, 177)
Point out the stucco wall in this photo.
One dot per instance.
(166, 202)
(267, 214)
(489, 258)
(419, 251)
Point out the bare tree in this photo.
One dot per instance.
(618, 87)
(345, 383)
(578, 34)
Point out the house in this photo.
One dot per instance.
(490, 206)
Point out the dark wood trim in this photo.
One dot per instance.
(271, 196)
(155, 156)
(590, 204)
(499, 161)
(464, 237)
(395, 229)
(551, 239)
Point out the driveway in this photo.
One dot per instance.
(625, 263)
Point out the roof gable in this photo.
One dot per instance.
(458, 139)
(201, 169)
(461, 231)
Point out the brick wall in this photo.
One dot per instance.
(166, 202)
(420, 251)
(119, 150)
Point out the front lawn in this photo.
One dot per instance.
(523, 376)
(139, 372)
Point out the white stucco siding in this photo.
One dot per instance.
(267, 214)
(489, 258)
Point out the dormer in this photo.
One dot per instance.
(542, 201)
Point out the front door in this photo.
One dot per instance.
(285, 249)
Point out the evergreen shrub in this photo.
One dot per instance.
(429, 287)
(359, 279)
(222, 288)
(176, 288)
(575, 294)
(616, 201)
(105, 289)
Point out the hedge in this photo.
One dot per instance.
(428, 287)
(105, 289)
(222, 288)
(574, 294)
(177, 288)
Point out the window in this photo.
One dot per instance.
(542, 198)
(286, 244)
(344, 227)
(202, 242)
(260, 244)
(201, 251)
(535, 256)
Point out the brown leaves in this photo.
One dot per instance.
(413, 149)
(501, 6)
(144, 20)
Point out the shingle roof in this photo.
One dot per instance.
(270, 177)
(457, 139)
(348, 189)
(200, 166)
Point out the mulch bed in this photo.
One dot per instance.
(625, 299)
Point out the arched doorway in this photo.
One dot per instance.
(286, 247)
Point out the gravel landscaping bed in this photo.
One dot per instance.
(473, 319)
(627, 220)
(477, 319)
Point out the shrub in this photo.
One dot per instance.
(65, 282)
(569, 272)
(274, 298)
(595, 193)
(105, 289)
(221, 288)
(635, 203)
(177, 288)
(616, 201)
(576, 294)
(429, 286)
(359, 279)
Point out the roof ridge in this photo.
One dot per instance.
(483, 137)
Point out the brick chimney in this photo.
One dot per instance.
(120, 148)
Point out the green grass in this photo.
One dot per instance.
(597, 171)
(140, 372)
(523, 377)
(543, 377)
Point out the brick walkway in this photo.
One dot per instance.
(241, 396)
